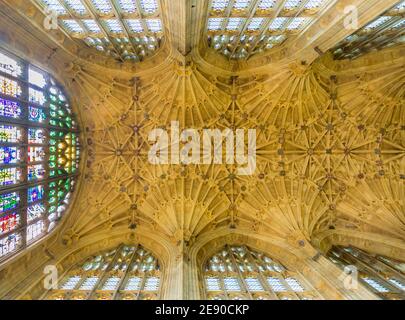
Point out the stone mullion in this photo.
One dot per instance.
(143, 281)
(359, 262)
(203, 283)
(45, 199)
(251, 14)
(24, 155)
(222, 278)
(287, 286)
(76, 290)
(241, 277)
(392, 269)
(105, 272)
(262, 277)
(125, 277)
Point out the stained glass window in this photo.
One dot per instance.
(39, 153)
(382, 275)
(239, 273)
(125, 273)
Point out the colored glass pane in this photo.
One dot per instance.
(35, 211)
(8, 222)
(9, 176)
(36, 154)
(10, 66)
(36, 136)
(35, 230)
(10, 134)
(9, 155)
(25, 150)
(35, 172)
(36, 115)
(9, 109)
(36, 78)
(35, 193)
(10, 87)
(37, 96)
(9, 244)
(9, 201)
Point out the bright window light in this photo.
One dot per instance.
(255, 24)
(111, 284)
(231, 284)
(277, 23)
(220, 4)
(128, 6)
(292, 4)
(297, 23)
(36, 78)
(152, 284)
(398, 284)
(135, 25)
(212, 284)
(114, 25)
(254, 285)
(71, 283)
(234, 23)
(313, 4)
(133, 284)
(149, 6)
(77, 6)
(276, 284)
(373, 283)
(89, 283)
(375, 24)
(102, 6)
(55, 6)
(92, 25)
(241, 4)
(400, 6)
(215, 24)
(154, 25)
(400, 24)
(294, 285)
(73, 26)
(266, 4)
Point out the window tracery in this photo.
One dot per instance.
(124, 29)
(383, 276)
(385, 31)
(238, 273)
(124, 273)
(39, 154)
(241, 28)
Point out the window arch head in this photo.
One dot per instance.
(124, 273)
(239, 273)
(39, 154)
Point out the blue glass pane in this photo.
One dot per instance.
(9, 155)
(35, 193)
(9, 109)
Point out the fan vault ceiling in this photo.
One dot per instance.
(330, 135)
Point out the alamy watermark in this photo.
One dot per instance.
(51, 277)
(351, 20)
(349, 277)
(51, 19)
(207, 148)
